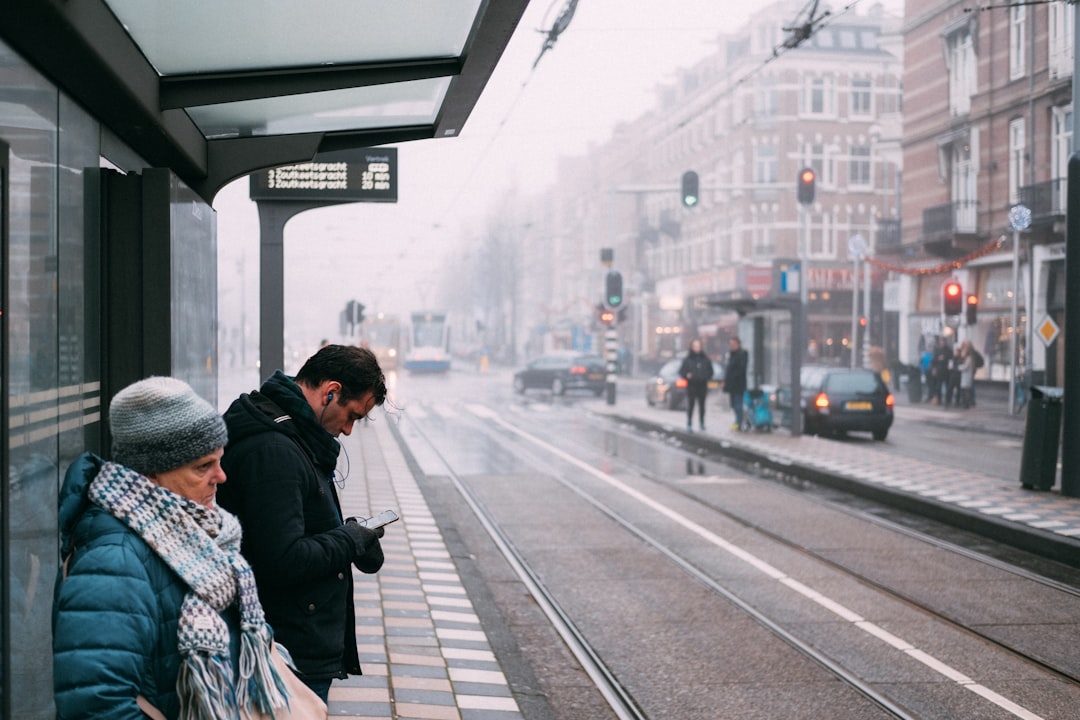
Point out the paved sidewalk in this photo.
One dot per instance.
(422, 649)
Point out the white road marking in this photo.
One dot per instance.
(767, 569)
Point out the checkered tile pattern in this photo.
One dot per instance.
(424, 653)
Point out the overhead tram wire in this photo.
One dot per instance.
(562, 21)
(810, 27)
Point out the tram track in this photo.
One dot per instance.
(908, 598)
(618, 697)
(535, 452)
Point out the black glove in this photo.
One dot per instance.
(367, 554)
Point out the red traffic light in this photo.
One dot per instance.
(805, 186)
(972, 309)
(952, 296)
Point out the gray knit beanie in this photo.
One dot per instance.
(159, 424)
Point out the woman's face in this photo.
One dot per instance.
(197, 481)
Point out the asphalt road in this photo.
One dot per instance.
(708, 592)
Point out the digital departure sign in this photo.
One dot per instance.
(361, 175)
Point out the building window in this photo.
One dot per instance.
(1017, 153)
(962, 71)
(765, 164)
(1061, 149)
(1017, 42)
(823, 239)
(820, 96)
(764, 243)
(821, 158)
(862, 98)
(965, 203)
(859, 167)
(765, 99)
(1060, 42)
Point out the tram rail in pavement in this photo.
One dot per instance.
(1042, 522)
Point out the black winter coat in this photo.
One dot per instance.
(697, 370)
(735, 372)
(280, 486)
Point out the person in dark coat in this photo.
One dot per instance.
(696, 370)
(155, 607)
(939, 371)
(280, 459)
(735, 379)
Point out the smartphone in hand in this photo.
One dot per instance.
(384, 518)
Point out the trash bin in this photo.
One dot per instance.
(914, 384)
(1042, 437)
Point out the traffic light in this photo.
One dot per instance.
(359, 313)
(690, 189)
(972, 309)
(952, 298)
(613, 289)
(607, 316)
(805, 185)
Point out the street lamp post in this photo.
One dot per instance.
(856, 248)
(1019, 220)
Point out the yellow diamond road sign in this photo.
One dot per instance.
(1048, 330)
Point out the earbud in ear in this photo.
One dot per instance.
(329, 397)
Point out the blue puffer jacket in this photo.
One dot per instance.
(115, 615)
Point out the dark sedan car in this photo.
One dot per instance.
(559, 372)
(668, 389)
(841, 400)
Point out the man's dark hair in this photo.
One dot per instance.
(355, 368)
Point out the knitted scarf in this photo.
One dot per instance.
(202, 545)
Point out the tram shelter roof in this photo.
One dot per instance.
(216, 90)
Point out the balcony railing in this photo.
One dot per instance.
(955, 217)
(888, 233)
(1045, 199)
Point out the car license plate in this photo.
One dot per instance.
(596, 376)
(859, 405)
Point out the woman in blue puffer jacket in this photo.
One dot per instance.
(155, 606)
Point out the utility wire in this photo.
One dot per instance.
(557, 28)
(805, 31)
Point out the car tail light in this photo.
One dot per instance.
(681, 383)
(578, 370)
(821, 401)
(889, 400)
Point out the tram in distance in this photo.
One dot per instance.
(382, 335)
(427, 347)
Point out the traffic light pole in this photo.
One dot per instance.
(611, 347)
(1012, 335)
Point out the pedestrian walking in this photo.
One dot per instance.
(697, 370)
(281, 460)
(734, 381)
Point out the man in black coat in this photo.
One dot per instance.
(280, 463)
(735, 379)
